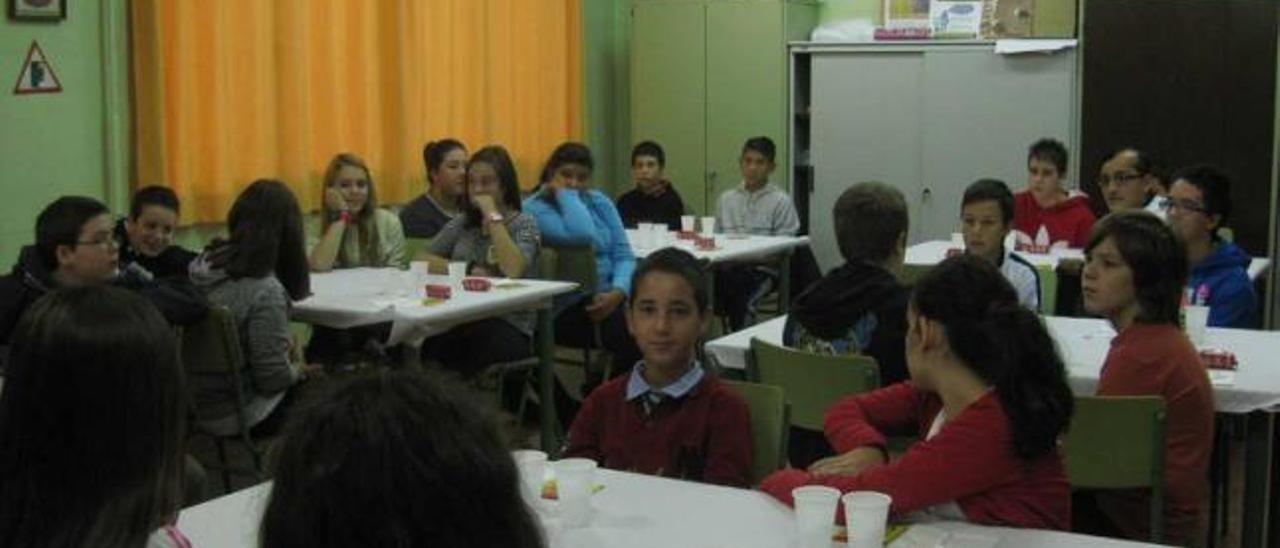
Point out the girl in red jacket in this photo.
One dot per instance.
(988, 397)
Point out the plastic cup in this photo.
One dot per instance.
(865, 514)
(457, 271)
(1197, 324)
(815, 514)
(957, 239)
(686, 223)
(574, 478)
(532, 466)
(708, 227)
(644, 235)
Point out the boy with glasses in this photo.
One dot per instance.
(1128, 181)
(1199, 204)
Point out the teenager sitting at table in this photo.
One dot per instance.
(256, 274)
(988, 395)
(1134, 277)
(669, 416)
(572, 214)
(1046, 214)
(1199, 205)
(986, 217)
(395, 459)
(355, 233)
(1129, 181)
(495, 239)
(654, 199)
(146, 235)
(859, 307)
(92, 421)
(446, 163)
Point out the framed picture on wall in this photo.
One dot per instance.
(37, 10)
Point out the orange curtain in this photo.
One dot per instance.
(229, 91)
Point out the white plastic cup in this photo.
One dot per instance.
(957, 240)
(865, 515)
(457, 271)
(644, 235)
(1197, 324)
(708, 227)
(574, 479)
(532, 466)
(687, 222)
(815, 514)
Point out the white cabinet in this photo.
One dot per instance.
(928, 119)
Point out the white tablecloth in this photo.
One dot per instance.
(363, 296)
(1083, 343)
(933, 252)
(729, 247)
(634, 511)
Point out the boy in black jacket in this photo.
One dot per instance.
(654, 199)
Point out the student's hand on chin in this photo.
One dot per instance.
(484, 203)
(334, 200)
(852, 463)
(603, 304)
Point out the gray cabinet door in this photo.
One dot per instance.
(930, 121)
(866, 127)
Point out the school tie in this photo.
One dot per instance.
(651, 400)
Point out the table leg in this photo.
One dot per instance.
(784, 282)
(546, 383)
(1259, 446)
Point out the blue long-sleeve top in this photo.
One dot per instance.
(587, 217)
(1221, 282)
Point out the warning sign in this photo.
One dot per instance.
(37, 74)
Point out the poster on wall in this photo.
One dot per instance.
(37, 10)
(37, 74)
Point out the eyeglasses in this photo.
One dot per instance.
(1104, 180)
(1182, 205)
(106, 240)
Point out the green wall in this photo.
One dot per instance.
(834, 10)
(606, 57)
(55, 144)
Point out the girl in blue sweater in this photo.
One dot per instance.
(572, 214)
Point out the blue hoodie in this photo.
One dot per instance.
(580, 218)
(1221, 281)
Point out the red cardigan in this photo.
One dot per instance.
(971, 461)
(703, 436)
(1070, 221)
(1158, 360)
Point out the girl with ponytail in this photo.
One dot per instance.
(988, 396)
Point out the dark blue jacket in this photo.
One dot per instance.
(1221, 281)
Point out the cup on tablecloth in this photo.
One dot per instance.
(574, 480)
(865, 514)
(957, 240)
(1196, 318)
(708, 227)
(532, 466)
(644, 235)
(687, 223)
(457, 271)
(815, 514)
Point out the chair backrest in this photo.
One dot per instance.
(414, 247)
(211, 348)
(569, 264)
(1117, 442)
(769, 426)
(1048, 289)
(812, 382)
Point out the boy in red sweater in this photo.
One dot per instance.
(1047, 215)
(988, 396)
(668, 417)
(1134, 275)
